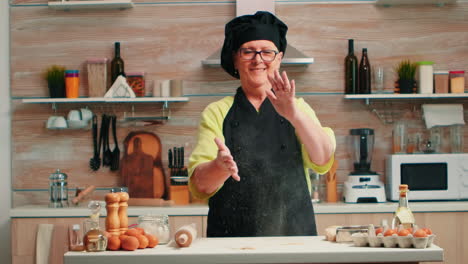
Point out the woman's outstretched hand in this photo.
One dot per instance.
(225, 161)
(284, 94)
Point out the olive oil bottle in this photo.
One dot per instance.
(403, 215)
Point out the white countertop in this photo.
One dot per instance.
(259, 250)
(197, 210)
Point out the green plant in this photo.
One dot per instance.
(406, 70)
(55, 74)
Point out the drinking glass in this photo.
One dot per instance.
(456, 139)
(399, 138)
(379, 79)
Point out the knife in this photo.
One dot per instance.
(176, 157)
(170, 161)
(182, 161)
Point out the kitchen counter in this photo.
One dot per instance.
(260, 250)
(35, 211)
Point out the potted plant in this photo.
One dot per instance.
(406, 71)
(55, 77)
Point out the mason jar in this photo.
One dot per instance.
(157, 225)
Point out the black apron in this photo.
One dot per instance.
(272, 198)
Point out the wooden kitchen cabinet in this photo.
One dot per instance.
(449, 228)
(24, 230)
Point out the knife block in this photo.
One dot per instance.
(179, 194)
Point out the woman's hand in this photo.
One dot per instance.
(283, 96)
(225, 161)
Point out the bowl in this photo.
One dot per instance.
(344, 233)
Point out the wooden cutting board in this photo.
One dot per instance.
(141, 166)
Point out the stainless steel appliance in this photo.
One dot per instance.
(363, 185)
(429, 176)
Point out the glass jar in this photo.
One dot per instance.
(97, 77)
(157, 225)
(58, 190)
(94, 239)
(136, 80)
(457, 81)
(425, 74)
(441, 81)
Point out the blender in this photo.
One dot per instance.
(363, 185)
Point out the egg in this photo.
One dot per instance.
(140, 230)
(143, 241)
(132, 232)
(379, 230)
(404, 232)
(152, 240)
(427, 230)
(390, 232)
(113, 243)
(130, 243)
(420, 233)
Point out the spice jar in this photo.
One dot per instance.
(157, 225)
(72, 83)
(457, 81)
(441, 81)
(425, 76)
(97, 76)
(136, 80)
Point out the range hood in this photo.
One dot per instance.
(243, 7)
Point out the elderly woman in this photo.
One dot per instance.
(255, 148)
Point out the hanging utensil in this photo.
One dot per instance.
(170, 161)
(115, 164)
(95, 161)
(106, 152)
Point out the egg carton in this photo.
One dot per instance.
(393, 241)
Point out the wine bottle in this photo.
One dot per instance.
(117, 64)
(351, 70)
(364, 74)
(403, 215)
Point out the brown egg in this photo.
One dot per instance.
(420, 233)
(140, 230)
(132, 232)
(143, 241)
(152, 240)
(122, 237)
(130, 243)
(113, 243)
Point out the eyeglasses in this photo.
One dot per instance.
(266, 55)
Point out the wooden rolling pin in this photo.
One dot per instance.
(332, 196)
(82, 194)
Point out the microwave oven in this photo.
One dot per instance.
(429, 176)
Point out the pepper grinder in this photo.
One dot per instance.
(123, 205)
(112, 219)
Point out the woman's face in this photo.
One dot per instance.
(254, 72)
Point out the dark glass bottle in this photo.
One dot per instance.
(117, 64)
(351, 70)
(364, 74)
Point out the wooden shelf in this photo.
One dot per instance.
(406, 96)
(105, 100)
(413, 2)
(101, 4)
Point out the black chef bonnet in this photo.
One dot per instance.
(260, 26)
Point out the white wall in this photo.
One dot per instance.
(5, 133)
